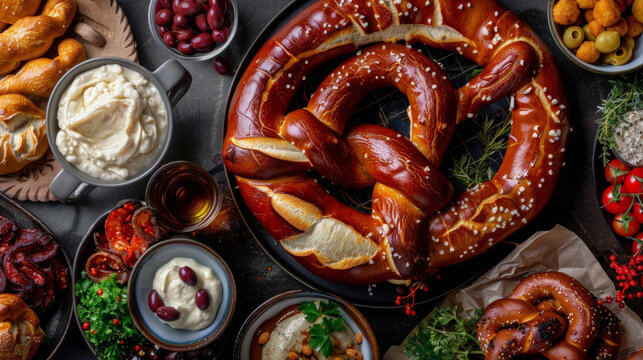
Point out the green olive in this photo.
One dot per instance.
(629, 41)
(607, 41)
(621, 56)
(588, 34)
(573, 37)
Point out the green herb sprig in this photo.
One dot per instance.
(100, 311)
(626, 95)
(332, 321)
(445, 336)
(494, 137)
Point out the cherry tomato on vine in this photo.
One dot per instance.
(633, 182)
(638, 211)
(637, 246)
(625, 225)
(615, 171)
(614, 202)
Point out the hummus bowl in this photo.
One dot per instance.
(276, 306)
(140, 286)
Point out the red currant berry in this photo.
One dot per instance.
(99, 292)
(86, 325)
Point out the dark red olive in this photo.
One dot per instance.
(168, 313)
(220, 66)
(169, 39)
(215, 17)
(185, 34)
(154, 300)
(175, 5)
(202, 299)
(189, 8)
(201, 22)
(220, 35)
(164, 4)
(163, 17)
(181, 21)
(162, 30)
(186, 48)
(186, 273)
(203, 42)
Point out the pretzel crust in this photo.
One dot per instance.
(517, 62)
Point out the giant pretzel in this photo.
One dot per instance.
(269, 150)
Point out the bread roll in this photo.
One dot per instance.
(23, 138)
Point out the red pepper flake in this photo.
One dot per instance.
(118, 298)
(122, 341)
(115, 322)
(92, 332)
(259, 278)
(137, 348)
(269, 268)
(99, 292)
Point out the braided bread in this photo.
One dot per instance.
(38, 77)
(23, 137)
(12, 10)
(540, 309)
(20, 332)
(30, 37)
(269, 150)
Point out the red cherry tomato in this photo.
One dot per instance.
(614, 202)
(625, 225)
(615, 171)
(637, 246)
(633, 182)
(638, 212)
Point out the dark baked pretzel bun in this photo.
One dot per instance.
(270, 151)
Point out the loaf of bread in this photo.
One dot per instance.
(23, 136)
(20, 332)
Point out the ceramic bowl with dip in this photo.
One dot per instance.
(110, 121)
(182, 295)
(277, 328)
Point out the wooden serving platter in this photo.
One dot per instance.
(103, 29)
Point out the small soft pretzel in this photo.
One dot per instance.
(12, 10)
(592, 332)
(38, 77)
(30, 37)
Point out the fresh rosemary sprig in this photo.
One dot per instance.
(494, 137)
(626, 95)
(445, 336)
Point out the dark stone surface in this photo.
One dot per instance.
(198, 138)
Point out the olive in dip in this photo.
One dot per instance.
(628, 136)
(303, 331)
(186, 295)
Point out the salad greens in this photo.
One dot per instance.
(445, 336)
(103, 311)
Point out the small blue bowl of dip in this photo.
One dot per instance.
(140, 285)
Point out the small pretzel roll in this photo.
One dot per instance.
(576, 300)
(12, 10)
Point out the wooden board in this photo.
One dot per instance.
(103, 29)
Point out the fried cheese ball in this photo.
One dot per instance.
(589, 15)
(588, 53)
(637, 10)
(620, 27)
(586, 4)
(566, 12)
(596, 28)
(607, 13)
(634, 28)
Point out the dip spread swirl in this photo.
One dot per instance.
(179, 295)
(111, 122)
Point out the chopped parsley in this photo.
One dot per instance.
(320, 339)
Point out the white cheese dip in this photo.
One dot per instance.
(112, 122)
(628, 136)
(180, 295)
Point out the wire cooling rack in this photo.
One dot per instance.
(387, 107)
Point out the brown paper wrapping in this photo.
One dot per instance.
(558, 249)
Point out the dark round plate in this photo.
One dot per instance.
(56, 320)
(87, 247)
(388, 107)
